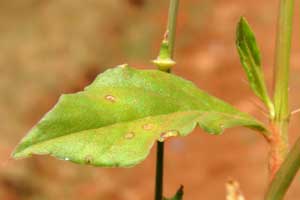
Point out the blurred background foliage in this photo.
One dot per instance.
(50, 47)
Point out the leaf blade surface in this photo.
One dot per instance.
(116, 120)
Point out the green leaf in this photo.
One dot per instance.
(116, 120)
(177, 196)
(251, 61)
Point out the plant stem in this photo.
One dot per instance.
(173, 11)
(279, 124)
(171, 32)
(282, 180)
(159, 171)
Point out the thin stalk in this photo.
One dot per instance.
(285, 174)
(173, 11)
(170, 36)
(279, 124)
(159, 171)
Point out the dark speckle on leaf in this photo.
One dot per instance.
(88, 159)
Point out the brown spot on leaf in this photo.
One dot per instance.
(129, 135)
(147, 127)
(167, 134)
(110, 98)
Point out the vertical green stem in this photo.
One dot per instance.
(173, 10)
(285, 174)
(281, 83)
(171, 32)
(282, 59)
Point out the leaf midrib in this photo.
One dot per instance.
(115, 124)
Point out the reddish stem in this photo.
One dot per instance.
(278, 151)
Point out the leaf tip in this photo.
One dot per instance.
(242, 27)
(178, 195)
(242, 20)
(18, 155)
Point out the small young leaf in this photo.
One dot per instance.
(116, 120)
(251, 61)
(177, 196)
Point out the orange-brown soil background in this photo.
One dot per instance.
(50, 47)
